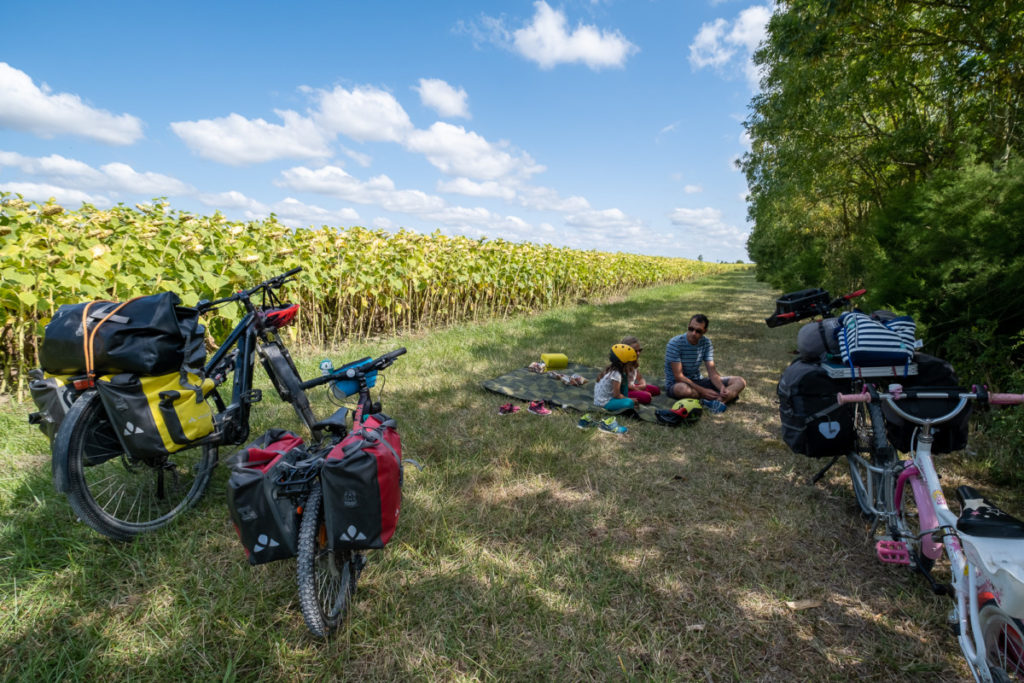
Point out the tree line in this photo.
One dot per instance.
(886, 153)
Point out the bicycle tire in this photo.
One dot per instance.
(867, 446)
(907, 528)
(1004, 642)
(327, 579)
(115, 494)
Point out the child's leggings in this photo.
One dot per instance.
(617, 404)
(644, 395)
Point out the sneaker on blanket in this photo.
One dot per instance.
(508, 409)
(586, 422)
(539, 408)
(612, 426)
(713, 406)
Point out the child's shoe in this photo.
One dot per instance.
(539, 408)
(508, 409)
(586, 422)
(612, 426)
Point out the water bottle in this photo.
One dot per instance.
(326, 366)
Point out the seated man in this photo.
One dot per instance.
(683, 356)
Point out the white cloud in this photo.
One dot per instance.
(443, 98)
(232, 200)
(363, 160)
(40, 192)
(363, 114)
(472, 188)
(707, 48)
(717, 43)
(27, 107)
(113, 177)
(706, 233)
(296, 214)
(547, 41)
(458, 152)
(547, 199)
(379, 190)
(693, 189)
(603, 219)
(236, 140)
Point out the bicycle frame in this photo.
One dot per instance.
(970, 581)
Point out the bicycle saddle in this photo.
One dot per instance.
(978, 517)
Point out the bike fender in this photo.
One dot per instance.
(59, 449)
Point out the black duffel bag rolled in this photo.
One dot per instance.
(150, 335)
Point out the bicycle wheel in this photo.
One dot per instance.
(327, 579)
(861, 476)
(905, 526)
(1004, 642)
(116, 494)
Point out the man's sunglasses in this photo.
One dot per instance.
(695, 329)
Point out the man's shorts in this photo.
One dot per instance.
(701, 382)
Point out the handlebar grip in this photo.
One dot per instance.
(1006, 399)
(391, 355)
(293, 271)
(854, 295)
(853, 398)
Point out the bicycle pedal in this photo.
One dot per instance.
(892, 552)
(253, 396)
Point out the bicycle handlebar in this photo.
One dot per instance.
(962, 397)
(379, 363)
(777, 319)
(273, 283)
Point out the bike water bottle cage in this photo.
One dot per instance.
(978, 517)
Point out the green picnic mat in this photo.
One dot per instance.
(536, 386)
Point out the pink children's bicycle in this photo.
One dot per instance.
(913, 525)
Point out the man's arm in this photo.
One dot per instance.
(680, 377)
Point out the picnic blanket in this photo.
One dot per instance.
(534, 386)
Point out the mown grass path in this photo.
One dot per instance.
(527, 550)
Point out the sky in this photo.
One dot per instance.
(612, 125)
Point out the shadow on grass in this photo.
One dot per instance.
(527, 550)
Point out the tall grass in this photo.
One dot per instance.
(527, 549)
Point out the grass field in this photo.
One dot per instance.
(527, 549)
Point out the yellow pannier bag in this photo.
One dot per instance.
(155, 416)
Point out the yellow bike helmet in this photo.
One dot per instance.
(622, 353)
(690, 406)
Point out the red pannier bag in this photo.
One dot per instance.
(361, 479)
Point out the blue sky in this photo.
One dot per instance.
(595, 124)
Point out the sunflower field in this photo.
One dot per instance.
(356, 282)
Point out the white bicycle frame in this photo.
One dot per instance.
(977, 565)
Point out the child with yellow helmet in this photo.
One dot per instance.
(608, 390)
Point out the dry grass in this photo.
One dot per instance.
(527, 549)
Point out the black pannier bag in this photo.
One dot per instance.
(150, 335)
(812, 421)
(949, 436)
(53, 397)
(267, 521)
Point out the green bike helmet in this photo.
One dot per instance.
(622, 353)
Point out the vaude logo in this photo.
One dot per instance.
(263, 542)
(131, 429)
(352, 534)
(349, 500)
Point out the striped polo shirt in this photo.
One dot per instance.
(680, 350)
